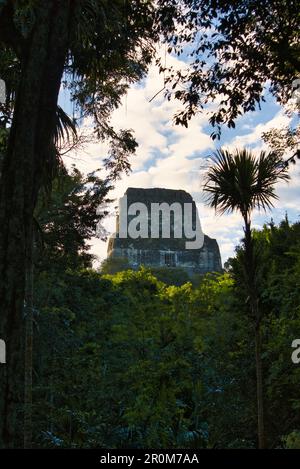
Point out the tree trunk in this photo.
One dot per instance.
(28, 352)
(259, 390)
(250, 277)
(31, 136)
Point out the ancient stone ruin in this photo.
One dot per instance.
(161, 251)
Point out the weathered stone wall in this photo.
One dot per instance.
(162, 251)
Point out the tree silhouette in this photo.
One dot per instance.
(242, 182)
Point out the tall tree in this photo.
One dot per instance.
(100, 47)
(242, 182)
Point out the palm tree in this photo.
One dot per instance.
(242, 182)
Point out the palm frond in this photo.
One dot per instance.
(65, 129)
(241, 181)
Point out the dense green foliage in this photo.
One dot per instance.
(135, 358)
(68, 219)
(129, 361)
(126, 360)
(97, 49)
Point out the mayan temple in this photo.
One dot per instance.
(160, 251)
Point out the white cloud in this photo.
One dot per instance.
(171, 156)
(255, 132)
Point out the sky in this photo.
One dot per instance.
(175, 157)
